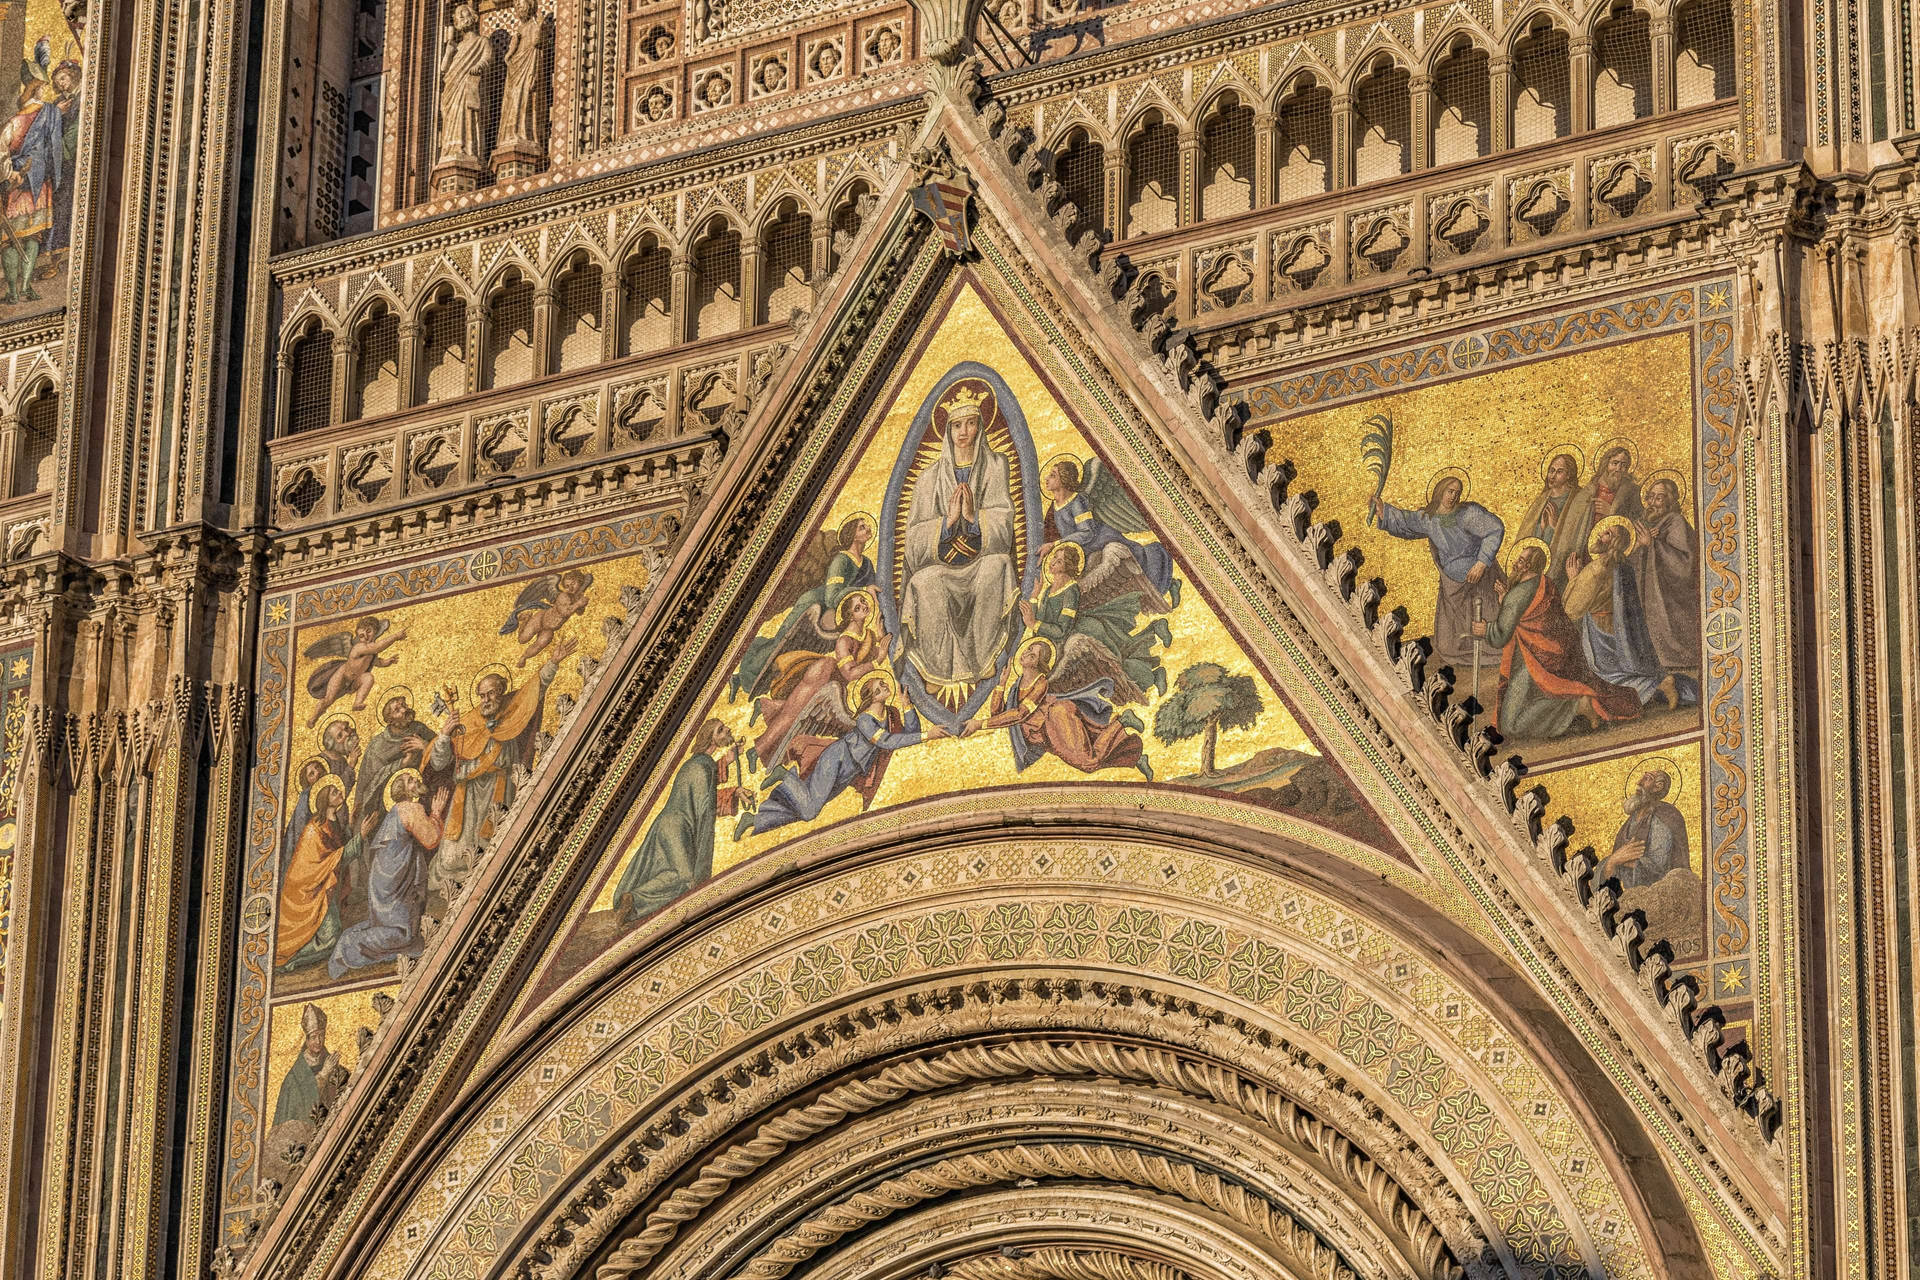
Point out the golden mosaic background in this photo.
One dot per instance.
(970, 331)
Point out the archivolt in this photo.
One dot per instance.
(722, 1076)
(1028, 1080)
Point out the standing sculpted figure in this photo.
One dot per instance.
(523, 107)
(466, 56)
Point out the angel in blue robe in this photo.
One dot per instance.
(817, 768)
(1087, 505)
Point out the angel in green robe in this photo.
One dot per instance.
(1092, 629)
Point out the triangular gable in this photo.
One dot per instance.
(1064, 642)
(560, 851)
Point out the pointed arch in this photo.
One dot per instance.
(1382, 144)
(444, 363)
(1462, 124)
(1303, 134)
(786, 258)
(507, 355)
(37, 414)
(580, 328)
(1228, 149)
(716, 287)
(1539, 51)
(1621, 36)
(646, 291)
(1152, 197)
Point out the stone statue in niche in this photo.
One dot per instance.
(522, 145)
(466, 58)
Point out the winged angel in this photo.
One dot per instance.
(349, 660)
(830, 565)
(543, 607)
(1093, 584)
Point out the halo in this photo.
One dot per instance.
(1458, 473)
(1665, 764)
(1524, 544)
(854, 690)
(339, 719)
(386, 794)
(1076, 548)
(324, 779)
(854, 519)
(873, 605)
(389, 694)
(1611, 522)
(492, 669)
(1052, 652)
(325, 766)
(1079, 471)
(1608, 446)
(1579, 460)
(1667, 473)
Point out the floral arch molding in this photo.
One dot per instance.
(1192, 1063)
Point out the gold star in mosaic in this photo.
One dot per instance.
(277, 612)
(1733, 978)
(19, 668)
(1716, 299)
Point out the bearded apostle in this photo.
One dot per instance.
(1612, 492)
(396, 879)
(1653, 839)
(1547, 519)
(1604, 601)
(1666, 566)
(677, 853)
(480, 748)
(1545, 684)
(1464, 538)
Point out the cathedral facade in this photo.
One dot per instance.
(1027, 640)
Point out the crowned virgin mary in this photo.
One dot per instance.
(959, 571)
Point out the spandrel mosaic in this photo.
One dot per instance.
(39, 152)
(1554, 502)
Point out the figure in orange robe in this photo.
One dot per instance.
(307, 905)
(480, 747)
(1079, 727)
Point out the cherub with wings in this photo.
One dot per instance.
(808, 691)
(350, 657)
(1090, 626)
(546, 605)
(1087, 505)
(830, 564)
